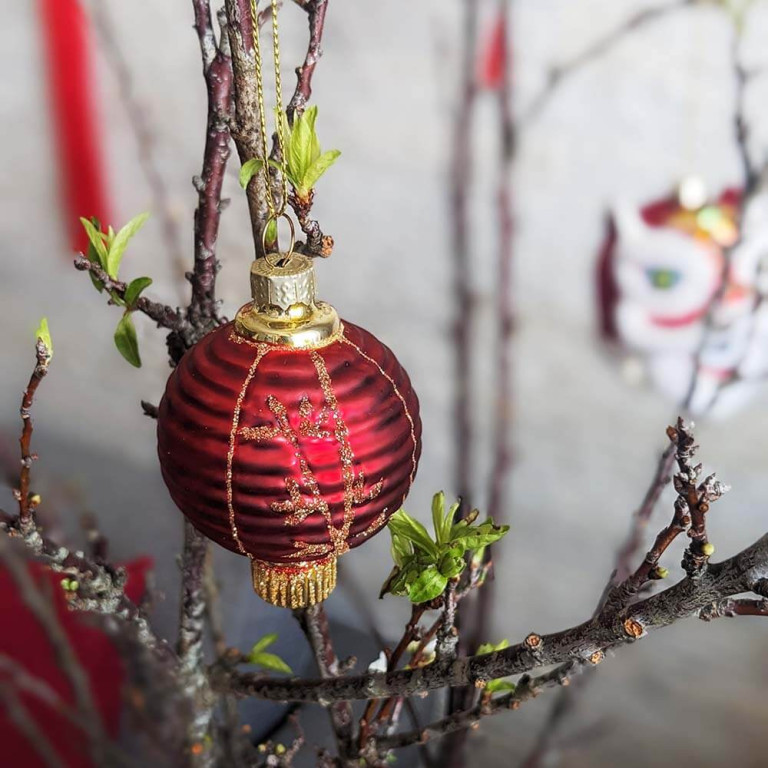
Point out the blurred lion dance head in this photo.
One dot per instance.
(681, 292)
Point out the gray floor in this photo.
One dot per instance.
(627, 126)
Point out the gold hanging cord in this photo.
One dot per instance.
(275, 211)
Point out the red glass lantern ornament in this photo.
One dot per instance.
(289, 436)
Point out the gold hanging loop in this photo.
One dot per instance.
(275, 211)
(279, 257)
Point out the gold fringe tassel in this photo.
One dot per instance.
(296, 585)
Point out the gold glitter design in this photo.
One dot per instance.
(310, 425)
(355, 492)
(297, 508)
(304, 497)
(400, 397)
(379, 522)
(294, 586)
(261, 350)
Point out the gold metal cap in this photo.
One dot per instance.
(284, 309)
(282, 284)
(294, 586)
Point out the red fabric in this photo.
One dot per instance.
(74, 117)
(25, 641)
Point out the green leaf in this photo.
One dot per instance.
(271, 234)
(404, 525)
(120, 241)
(319, 167)
(442, 520)
(249, 169)
(396, 582)
(499, 686)
(43, 334)
(270, 661)
(134, 289)
(264, 643)
(401, 549)
(490, 647)
(126, 341)
(438, 516)
(451, 565)
(473, 538)
(310, 116)
(96, 239)
(299, 157)
(427, 585)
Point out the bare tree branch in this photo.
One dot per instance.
(315, 10)
(217, 70)
(246, 131)
(27, 501)
(162, 314)
(525, 689)
(738, 574)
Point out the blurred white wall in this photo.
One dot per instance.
(628, 125)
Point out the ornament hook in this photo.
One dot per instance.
(281, 258)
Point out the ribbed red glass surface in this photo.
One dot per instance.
(289, 455)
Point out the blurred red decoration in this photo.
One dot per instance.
(679, 283)
(495, 55)
(289, 456)
(30, 651)
(75, 124)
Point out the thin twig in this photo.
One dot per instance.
(461, 175)
(498, 493)
(561, 72)
(317, 243)
(370, 721)
(314, 623)
(460, 181)
(142, 131)
(162, 314)
(527, 688)
(315, 10)
(27, 502)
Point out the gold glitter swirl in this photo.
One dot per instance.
(261, 350)
(378, 522)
